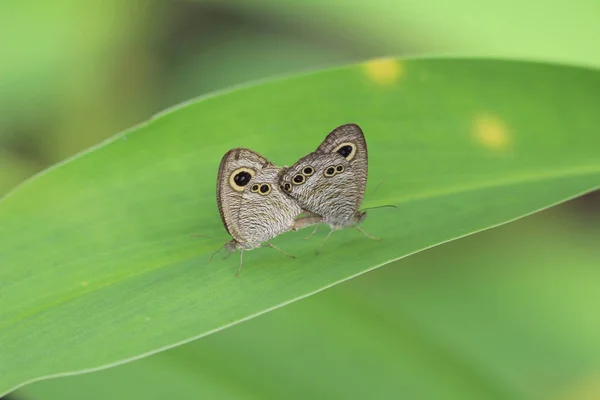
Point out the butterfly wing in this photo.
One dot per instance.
(251, 206)
(237, 168)
(265, 211)
(331, 181)
(349, 142)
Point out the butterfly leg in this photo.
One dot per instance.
(313, 233)
(366, 234)
(240, 267)
(324, 240)
(215, 253)
(204, 236)
(231, 247)
(279, 250)
(211, 237)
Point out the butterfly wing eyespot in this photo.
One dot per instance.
(308, 171)
(287, 187)
(298, 179)
(265, 189)
(240, 178)
(346, 150)
(329, 171)
(339, 169)
(254, 188)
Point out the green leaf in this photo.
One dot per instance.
(97, 266)
(491, 316)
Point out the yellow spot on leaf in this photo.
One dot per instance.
(587, 388)
(491, 132)
(384, 71)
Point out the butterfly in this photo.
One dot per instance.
(252, 207)
(330, 182)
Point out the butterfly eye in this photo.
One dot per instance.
(330, 171)
(339, 168)
(265, 189)
(240, 178)
(254, 188)
(308, 171)
(346, 150)
(299, 179)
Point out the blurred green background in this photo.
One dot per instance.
(74, 73)
(507, 314)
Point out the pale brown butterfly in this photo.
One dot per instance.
(330, 182)
(252, 207)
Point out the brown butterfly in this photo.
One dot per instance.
(252, 206)
(330, 182)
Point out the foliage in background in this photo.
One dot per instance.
(62, 92)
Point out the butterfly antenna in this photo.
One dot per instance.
(204, 236)
(372, 193)
(377, 187)
(384, 206)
